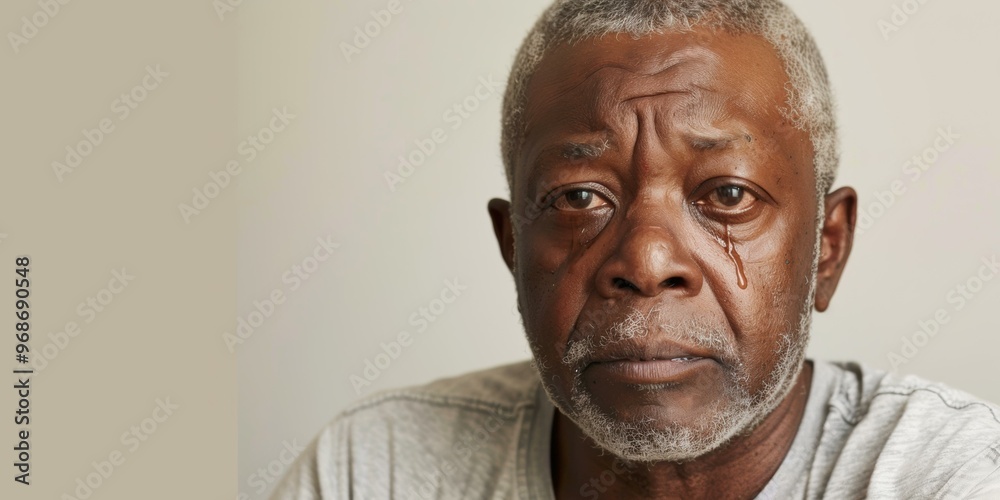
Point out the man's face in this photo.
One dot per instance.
(664, 232)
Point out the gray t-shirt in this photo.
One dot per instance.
(865, 433)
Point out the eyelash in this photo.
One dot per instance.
(722, 214)
(550, 199)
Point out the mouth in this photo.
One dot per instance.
(652, 371)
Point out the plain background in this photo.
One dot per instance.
(324, 175)
(117, 212)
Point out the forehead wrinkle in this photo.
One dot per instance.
(639, 64)
(556, 91)
(589, 76)
(710, 122)
(613, 82)
(629, 86)
(680, 100)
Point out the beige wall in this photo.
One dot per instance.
(133, 394)
(323, 176)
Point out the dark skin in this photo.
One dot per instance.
(690, 194)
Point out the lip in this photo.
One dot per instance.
(656, 350)
(652, 371)
(663, 360)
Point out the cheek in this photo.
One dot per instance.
(789, 269)
(552, 292)
(777, 264)
(547, 319)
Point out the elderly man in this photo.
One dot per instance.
(670, 229)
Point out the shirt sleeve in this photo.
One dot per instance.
(315, 474)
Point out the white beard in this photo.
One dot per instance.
(738, 414)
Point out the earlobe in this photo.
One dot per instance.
(837, 241)
(500, 214)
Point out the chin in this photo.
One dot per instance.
(674, 430)
(644, 440)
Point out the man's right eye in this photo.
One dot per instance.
(580, 199)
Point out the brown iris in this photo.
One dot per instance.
(729, 196)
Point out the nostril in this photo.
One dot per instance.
(673, 282)
(623, 284)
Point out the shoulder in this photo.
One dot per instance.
(440, 416)
(864, 393)
(913, 435)
(502, 389)
(437, 438)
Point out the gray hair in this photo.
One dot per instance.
(810, 102)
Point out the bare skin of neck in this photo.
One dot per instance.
(739, 469)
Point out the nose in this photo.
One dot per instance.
(649, 260)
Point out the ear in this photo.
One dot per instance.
(500, 213)
(837, 240)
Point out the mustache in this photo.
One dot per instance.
(629, 331)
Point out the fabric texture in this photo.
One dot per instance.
(865, 434)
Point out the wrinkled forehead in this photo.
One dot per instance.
(698, 81)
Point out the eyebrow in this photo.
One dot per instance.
(703, 142)
(594, 150)
(583, 150)
(569, 151)
(565, 153)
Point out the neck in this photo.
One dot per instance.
(740, 469)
